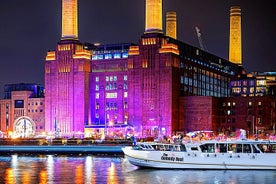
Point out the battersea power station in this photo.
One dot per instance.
(157, 87)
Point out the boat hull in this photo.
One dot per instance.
(184, 160)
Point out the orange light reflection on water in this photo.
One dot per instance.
(10, 178)
(43, 177)
(79, 174)
(112, 177)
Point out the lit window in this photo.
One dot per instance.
(106, 78)
(125, 77)
(125, 105)
(97, 79)
(97, 95)
(182, 79)
(115, 78)
(125, 55)
(250, 104)
(125, 85)
(125, 94)
(259, 103)
(111, 78)
(100, 56)
(259, 121)
(234, 104)
(117, 55)
(108, 56)
(111, 95)
(97, 87)
(228, 104)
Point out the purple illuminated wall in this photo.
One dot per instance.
(67, 89)
(153, 92)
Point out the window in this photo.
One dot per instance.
(125, 55)
(259, 121)
(19, 104)
(97, 79)
(125, 77)
(117, 55)
(228, 112)
(125, 94)
(108, 56)
(125, 85)
(97, 95)
(125, 105)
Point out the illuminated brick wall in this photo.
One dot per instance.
(67, 81)
(153, 94)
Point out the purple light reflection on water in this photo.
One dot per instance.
(91, 169)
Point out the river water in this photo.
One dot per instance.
(42, 169)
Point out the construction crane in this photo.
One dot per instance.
(202, 47)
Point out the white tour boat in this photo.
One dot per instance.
(235, 154)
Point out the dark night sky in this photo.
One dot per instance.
(32, 27)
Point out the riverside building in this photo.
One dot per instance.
(117, 88)
(157, 87)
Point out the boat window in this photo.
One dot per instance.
(273, 148)
(267, 148)
(194, 148)
(238, 148)
(255, 150)
(232, 147)
(208, 148)
(162, 148)
(247, 148)
(183, 148)
(222, 148)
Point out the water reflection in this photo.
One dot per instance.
(89, 169)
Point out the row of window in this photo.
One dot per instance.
(111, 106)
(109, 56)
(233, 112)
(110, 78)
(35, 103)
(233, 104)
(233, 120)
(35, 110)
